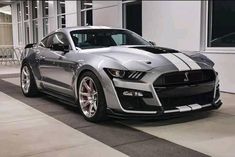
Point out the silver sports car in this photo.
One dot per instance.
(115, 72)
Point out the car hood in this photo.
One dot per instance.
(145, 58)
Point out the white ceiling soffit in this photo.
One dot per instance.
(5, 2)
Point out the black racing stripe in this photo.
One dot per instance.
(120, 137)
(183, 61)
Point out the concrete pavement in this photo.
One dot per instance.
(25, 131)
(211, 133)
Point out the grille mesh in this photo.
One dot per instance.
(180, 78)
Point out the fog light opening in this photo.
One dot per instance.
(133, 93)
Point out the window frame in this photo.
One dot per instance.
(8, 23)
(205, 32)
(84, 14)
(90, 31)
(124, 4)
(51, 36)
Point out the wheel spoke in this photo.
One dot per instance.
(94, 94)
(25, 79)
(95, 106)
(86, 86)
(88, 97)
(91, 85)
(85, 103)
(91, 109)
(25, 72)
(84, 94)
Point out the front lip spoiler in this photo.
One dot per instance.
(160, 114)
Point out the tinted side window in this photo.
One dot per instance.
(59, 38)
(46, 42)
(43, 43)
(49, 41)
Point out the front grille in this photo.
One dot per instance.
(185, 78)
(172, 102)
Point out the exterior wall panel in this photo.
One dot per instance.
(107, 13)
(174, 24)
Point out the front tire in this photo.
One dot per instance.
(28, 84)
(91, 97)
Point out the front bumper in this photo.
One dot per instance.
(151, 103)
(161, 113)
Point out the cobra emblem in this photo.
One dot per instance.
(186, 79)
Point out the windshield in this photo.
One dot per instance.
(98, 38)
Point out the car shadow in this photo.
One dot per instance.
(163, 121)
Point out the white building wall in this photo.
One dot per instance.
(177, 24)
(225, 65)
(174, 24)
(52, 20)
(107, 13)
(71, 13)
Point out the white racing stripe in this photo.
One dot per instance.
(193, 65)
(176, 61)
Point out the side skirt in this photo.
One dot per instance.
(68, 100)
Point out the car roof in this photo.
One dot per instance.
(67, 30)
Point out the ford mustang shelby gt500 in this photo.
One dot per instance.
(116, 72)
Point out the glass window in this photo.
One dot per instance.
(86, 18)
(86, 13)
(6, 26)
(35, 9)
(49, 41)
(35, 31)
(86, 39)
(26, 10)
(26, 29)
(45, 6)
(46, 42)
(61, 6)
(43, 43)
(6, 34)
(86, 4)
(18, 12)
(89, 20)
(221, 24)
(61, 13)
(20, 41)
(45, 26)
(132, 16)
(59, 38)
(5, 15)
(61, 21)
(45, 14)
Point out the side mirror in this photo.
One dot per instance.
(152, 43)
(30, 45)
(60, 47)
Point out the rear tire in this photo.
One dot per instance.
(91, 97)
(27, 81)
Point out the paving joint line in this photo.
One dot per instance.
(137, 141)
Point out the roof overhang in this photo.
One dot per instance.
(5, 2)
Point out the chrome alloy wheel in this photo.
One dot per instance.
(25, 79)
(88, 97)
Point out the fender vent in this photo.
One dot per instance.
(135, 75)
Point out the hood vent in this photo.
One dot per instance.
(156, 50)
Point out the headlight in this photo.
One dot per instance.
(124, 74)
(116, 73)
